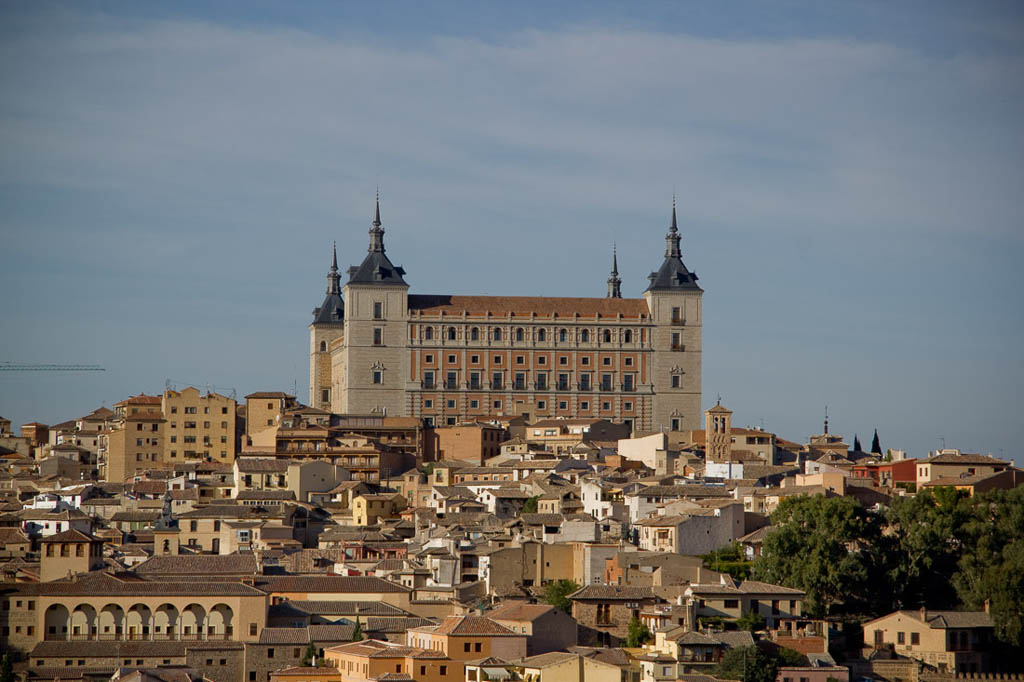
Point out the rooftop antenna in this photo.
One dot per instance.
(943, 440)
(826, 420)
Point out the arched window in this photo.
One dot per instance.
(323, 346)
(607, 336)
(451, 333)
(519, 334)
(563, 335)
(474, 334)
(628, 336)
(428, 333)
(541, 336)
(497, 334)
(585, 336)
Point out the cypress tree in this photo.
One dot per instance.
(856, 443)
(876, 447)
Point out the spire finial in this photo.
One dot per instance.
(333, 278)
(334, 257)
(376, 212)
(674, 227)
(614, 283)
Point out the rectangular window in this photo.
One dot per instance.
(474, 359)
(628, 362)
(675, 381)
(542, 360)
(451, 380)
(428, 379)
(497, 404)
(606, 361)
(541, 405)
(451, 404)
(378, 336)
(428, 403)
(676, 343)
(627, 406)
(474, 404)
(675, 424)
(584, 405)
(378, 376)
(901, 638)
(585, 360)
(520, 359)
(732, 603)
(378, 310)
(563, 405)
(915, 638)
(325, 395)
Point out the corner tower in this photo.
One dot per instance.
(370, 375)
(328, 324)
(674, 301)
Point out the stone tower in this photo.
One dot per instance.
(371, 373)
(674, 300)
(718, 433)
(328, 324)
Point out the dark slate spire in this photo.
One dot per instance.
(614, 283)
(332, 310)
(673, 275)
(672, 238)
(376, 268)
(333, 278)
(377, 232)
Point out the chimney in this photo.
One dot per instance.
(924, 614)
(987, 605)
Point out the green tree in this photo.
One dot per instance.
(638, 634)
(991, 567)
(750, 664)
(751, 621)
(6, 668)
(729, 559)
(357, 631)
(856, 443)
(310, 655)
(820, 546)
(557, 594)
(876, 447)
(923, 546)
(530, 506)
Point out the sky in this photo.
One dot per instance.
(849, 179)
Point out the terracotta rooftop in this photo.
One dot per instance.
(527, 305)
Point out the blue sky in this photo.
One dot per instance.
(849, 179)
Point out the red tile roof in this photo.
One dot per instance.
(432, 305)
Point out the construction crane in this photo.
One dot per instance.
(48, 367)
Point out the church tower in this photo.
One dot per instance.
(674, 300)
(328, 324)
(718, 434)
(370, 375)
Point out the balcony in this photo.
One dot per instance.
(475, 385)
(585, 386)
(497, 385)
(562, 386)
(518, 385)
(628, 388)
(541, 385)
(607, 388)
(678, 346)
(451, 385)
(428, 383)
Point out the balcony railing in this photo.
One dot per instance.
(518, 385)
(541, 385)
(475, 385)
(562, 386)
(428, 383)
(497, 385)
(451, 385)
(607, 388)
(678, 346)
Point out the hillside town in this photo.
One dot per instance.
(188, 535)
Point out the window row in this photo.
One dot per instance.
(563, 360)
(521, 334)
(542, 381)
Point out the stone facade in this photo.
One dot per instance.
(450, 359)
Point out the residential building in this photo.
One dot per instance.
(952, 641)
(198, 426)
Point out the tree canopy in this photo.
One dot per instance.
(819, 546)
(638, 634)
(557, 594)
